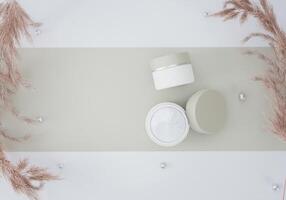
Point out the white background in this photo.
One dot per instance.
(138, 23)
(137, 175)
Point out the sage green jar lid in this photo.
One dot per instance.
(170, 61)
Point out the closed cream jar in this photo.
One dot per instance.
(172, 70)
(206, 111)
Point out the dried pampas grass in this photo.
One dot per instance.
(24, 179)
(14, 23)
(275, 77)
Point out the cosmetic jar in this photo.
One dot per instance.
(167, 124)
(172, 70)
(206, 111)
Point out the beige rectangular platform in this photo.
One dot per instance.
(96, 99)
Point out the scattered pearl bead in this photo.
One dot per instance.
(40, 119)
(163, 165)
(38, 31)
(60, 165)
(275, 187)
(242, 97)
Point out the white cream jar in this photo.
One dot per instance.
(167, 124)
(172, 70)
(206, 110)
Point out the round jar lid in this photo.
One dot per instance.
(206, 111)
(167, 124)
(170, 60)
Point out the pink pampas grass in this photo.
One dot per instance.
(274, 78)
(14, 23)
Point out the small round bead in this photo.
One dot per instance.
(242, 97)
(40, 119)
(163, 165)
(38, 31)
(275, 187)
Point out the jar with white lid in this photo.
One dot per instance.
(172, 70)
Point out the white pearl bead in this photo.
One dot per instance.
(275, 187)
(60, 165)
(40, 119)
(38, 31)
(242, 97)
(163, 165)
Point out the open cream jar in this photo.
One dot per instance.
(167, 124)
(172, 70)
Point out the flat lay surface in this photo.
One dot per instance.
(158, 175)
(98, 99)
(136, 23)
(137, 100)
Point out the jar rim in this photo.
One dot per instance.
(170, 60)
